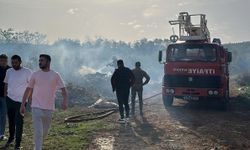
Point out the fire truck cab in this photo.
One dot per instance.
(194, 67)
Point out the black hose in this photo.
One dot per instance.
(96, 115)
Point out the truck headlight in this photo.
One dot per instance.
(171, 91)
(210, 92)
(216, 92)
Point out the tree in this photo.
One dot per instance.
(27, 37)
(8, 35)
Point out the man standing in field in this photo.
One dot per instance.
(137, 88)
(121, 81)
(16, 81)
(3, 68)
(43, 86)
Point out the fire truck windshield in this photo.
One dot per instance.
(191, 52)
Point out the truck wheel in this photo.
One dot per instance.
(223, 105)
(167, 100)
(224, 102)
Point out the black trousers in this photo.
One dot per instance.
(122, 97)
(15, 121)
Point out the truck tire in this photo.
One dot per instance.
(224, 102)
(223, 105)
(167, 100)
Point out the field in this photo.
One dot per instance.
(64, 136)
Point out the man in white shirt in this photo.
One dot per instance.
(16, 81)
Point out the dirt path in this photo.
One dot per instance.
(185, 126)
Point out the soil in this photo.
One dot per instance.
(197, 125)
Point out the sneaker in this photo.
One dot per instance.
(127, 119)
(3, 138)
(121, 120)
(8, 143)
(17, 148)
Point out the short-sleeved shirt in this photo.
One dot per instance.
(17, 81)
(45, 85)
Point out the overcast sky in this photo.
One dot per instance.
(126, 20)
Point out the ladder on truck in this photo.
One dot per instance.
(192, 27)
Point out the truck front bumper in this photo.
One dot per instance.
(193, 92)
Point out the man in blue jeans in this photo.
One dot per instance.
(3, 69)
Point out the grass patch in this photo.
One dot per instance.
(64, 136)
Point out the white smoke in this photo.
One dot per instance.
(84, 70)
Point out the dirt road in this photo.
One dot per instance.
(184, 126)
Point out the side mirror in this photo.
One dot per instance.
(160, 56)
(229, 56)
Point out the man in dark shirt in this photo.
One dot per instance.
(138, 86)
(121, 81)
(3, 69)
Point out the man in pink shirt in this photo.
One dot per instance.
(43, 86)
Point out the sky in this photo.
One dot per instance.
(126, 20)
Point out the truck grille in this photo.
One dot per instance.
(192, 81)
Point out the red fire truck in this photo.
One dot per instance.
(194, 67)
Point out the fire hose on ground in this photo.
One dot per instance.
(97, 115)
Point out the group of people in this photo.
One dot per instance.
(19, 86)
(124, 79)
